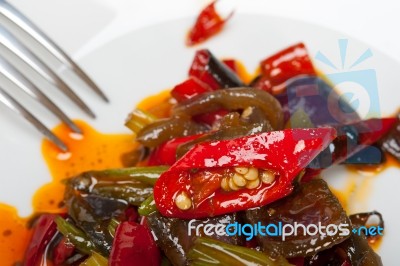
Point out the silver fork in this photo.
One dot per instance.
(13, 45)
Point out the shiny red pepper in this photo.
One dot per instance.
(232, 64)
(286, 64)
(131, 214)
(134, 245)
(213, 72)
(189, 88)
(208, 23)
(284, 152)
(45, 229)
(165, 154)
(62, 251)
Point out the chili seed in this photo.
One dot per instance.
(232, 184)
(253, 184)
(252, 174)
(267, 177)
(247, 112)
(241, 170)
(183, 201)
(239, 180)
(224, 184)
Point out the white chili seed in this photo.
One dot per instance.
(252, 174)
(253, 184)
(224, 184)
(267, 177)
(232, 184)
(183, 201)
(247, 112)
(239, 180)
(241, 170)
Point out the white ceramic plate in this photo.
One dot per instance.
(145, 61)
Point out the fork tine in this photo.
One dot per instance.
(17, 48)
(31, 29)
(11, 103)
(27, 86)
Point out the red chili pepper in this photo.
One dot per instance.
(45, 229)
(231, 63)
(208, 23)
(131, 214)
(351, 139)
(285, 153)
(213, 72)
(165, 154)
(286, 64)
(134, 245)
(62, 251)
(189, 88)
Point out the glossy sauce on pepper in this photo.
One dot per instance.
(95, 151)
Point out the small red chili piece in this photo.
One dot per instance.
(208, 23)
(134, 245)
(165, 154)
(282, 66)
(189, 88)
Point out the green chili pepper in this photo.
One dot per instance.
(138, 119)
(148, 206)
(76, 236)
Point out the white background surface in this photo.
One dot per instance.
(371, 21)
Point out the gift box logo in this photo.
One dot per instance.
(359, 88)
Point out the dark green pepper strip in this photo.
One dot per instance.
(148, 175)
(95, 260)
(76, 236)
(207, 251)
(232, 126)
(233, 99)
(133, 194)
(148, 206)
(165, 129)
(132, 185)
